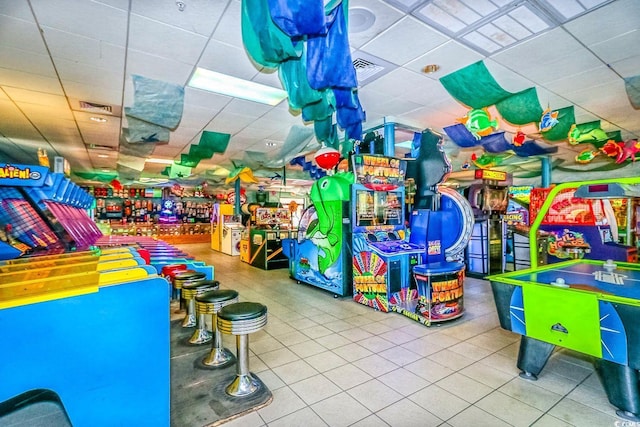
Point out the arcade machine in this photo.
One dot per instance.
(231, 233)
(223, 218)
(270, 227)
(29, 228)
(382, 255)
(441, 222)
(320, 256)
(588, 221)
(489, 201)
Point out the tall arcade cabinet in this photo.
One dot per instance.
(382, 256)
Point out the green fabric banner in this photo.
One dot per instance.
(566, 119)
(521, 108)
(474, 86)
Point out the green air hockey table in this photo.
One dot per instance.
(589, 306)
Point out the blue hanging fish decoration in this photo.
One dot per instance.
(548, 120)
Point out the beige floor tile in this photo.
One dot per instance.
(291, 338)
(441, 339)
(429, 370)
(550, 421)
(464, 387)
(593, 398)
(476, 417)
(529, 393)
(501, 363)
(405, 413)
(376, 328)
(315, 389)
(304, 417)
(487, 375)
(555, 383)
(325, 361)
(376, 344)
(403, 381)
(265, 345)
(374, 395)
(270, 379)
(375, 365)
(293, 372)
(356, 334)
(307, 348)
(347, 376)
(315, 332)
(451, 359)
(439, 402)
(358, 320)
(423, 346)
(252, 419)
(332, 341)
(509, 409)
(302, 323)
(337, 325)
(397, 336)
(370, 421)
(418, 330)
(581, 415)
(352, 352)
(471, 351)
(285, 402)
(400, 356)
(340, 410)
(279, 357)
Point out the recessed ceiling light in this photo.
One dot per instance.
(270, 143)
(98, 119)
(235, 87)
(161, 161)
(103, 156)
(105, 170)
(431, 68)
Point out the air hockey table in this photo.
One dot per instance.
(589, 306)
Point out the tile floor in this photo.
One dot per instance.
(333, 362)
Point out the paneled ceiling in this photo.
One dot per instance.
(55, 54)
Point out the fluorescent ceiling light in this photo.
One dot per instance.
(238, 88)
(161, 161)
(103, 156)
(405, 144)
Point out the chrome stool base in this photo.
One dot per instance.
(243, 385)
(219, 358)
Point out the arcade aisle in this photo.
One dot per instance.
(333, 362)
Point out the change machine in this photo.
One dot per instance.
(382, 256)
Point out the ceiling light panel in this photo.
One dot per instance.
(566, 10)
(486, 25)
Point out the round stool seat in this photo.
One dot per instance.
(192, 289)
(172, 267)
(182, 278)
(212, 301)
(242, 318)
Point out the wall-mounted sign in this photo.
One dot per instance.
(22, 175)
(490, 174)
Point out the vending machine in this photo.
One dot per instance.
(382, 255)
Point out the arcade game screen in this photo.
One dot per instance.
(495, 199)
(376, 208)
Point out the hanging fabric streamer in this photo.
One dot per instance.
(266, 44)
(298, 18)
(329, 58)
(293, 76)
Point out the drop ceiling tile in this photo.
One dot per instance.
(16, 9)
(268, 78)
(71, 72)
(90, 19)
(383, 17)
(508, 77)
(205, 99)
(24, 80)
(229, 123)
(229, 30)
(166, 151)
(25, 96)
(404, 41)
(84, 50)
(29, 62)
(177, 44)
(155, 67)
(247, 108)
(21, 34)
(253, 132)
(198, 16)
(196, 117)
(618, 48)
(612, 20)
(450, 57)
(227, 59)
(41, 113)
(587, 78)
(627, 67)
(93, 93)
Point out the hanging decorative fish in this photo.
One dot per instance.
(586, 156)
(611, 148)
(518, 138)
(488, 161)
(465, 166)
(576, 136)
(478, 122)
(548, 120)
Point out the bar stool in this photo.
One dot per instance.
(241, 319)
(168, 271)
(211, 303)
(180, 278)
(189, 291)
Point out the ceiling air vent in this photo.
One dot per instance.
(365, 69)
(95, 108)
(369, 68)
